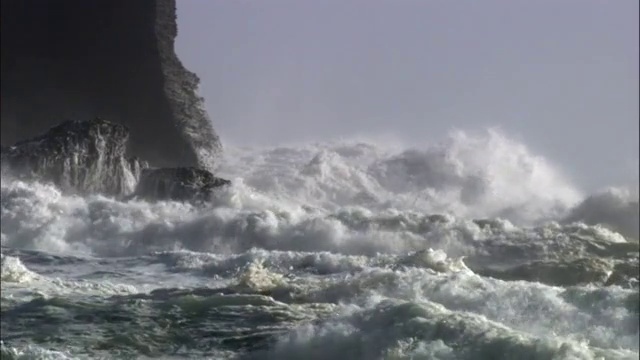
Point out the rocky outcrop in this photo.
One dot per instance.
(89, 157)
(77, 59)
(78, 156)
(181, 184)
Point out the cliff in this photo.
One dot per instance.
(89, 157)
(78, 59)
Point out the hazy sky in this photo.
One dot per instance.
(560, 74)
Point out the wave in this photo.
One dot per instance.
(13, 271)
(467, 175)
(425, 309)
(39, 217)
(289, 209)
(30, 352)
(616, 208)
(404, 330)
(484, 196)
(34, 285)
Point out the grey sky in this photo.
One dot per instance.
(562, 75)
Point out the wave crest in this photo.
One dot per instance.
(615, 208)
(468, 175)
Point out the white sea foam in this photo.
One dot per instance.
(38, 217)
(13, 271)
(32, 352)
(16, 274)
(479, 175)
(318, 192)
(401, 330)
(383, 242)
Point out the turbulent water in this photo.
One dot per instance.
(472, 248)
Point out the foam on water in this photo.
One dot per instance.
(32, 285)
(401, 330)
(31, 352)
(449, 251)
(320, 192)
(478, 175)
(14, 271)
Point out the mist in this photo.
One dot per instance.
(558, 76)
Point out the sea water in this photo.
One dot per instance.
(471, 248)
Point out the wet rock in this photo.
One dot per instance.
(77, 156)
(179, 184)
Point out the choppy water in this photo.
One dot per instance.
(469, 249)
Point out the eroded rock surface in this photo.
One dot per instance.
(78, 156)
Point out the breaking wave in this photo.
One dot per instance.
(473, 248)
(483, 175)
(357, 198)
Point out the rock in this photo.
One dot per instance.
(78, 156)
(75, 59)
(179, 184)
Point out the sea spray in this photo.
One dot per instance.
(468, 249)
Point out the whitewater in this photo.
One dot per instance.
(472, 247)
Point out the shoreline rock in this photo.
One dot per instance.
(78, 156)
(88, 157)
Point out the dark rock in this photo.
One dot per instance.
(78, 156)
(75, 59)
(180, 184)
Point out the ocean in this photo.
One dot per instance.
(468, 248)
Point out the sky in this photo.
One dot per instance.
(560, 75)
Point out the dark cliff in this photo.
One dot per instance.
(77, 59)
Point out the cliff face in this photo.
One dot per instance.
(78, 59)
